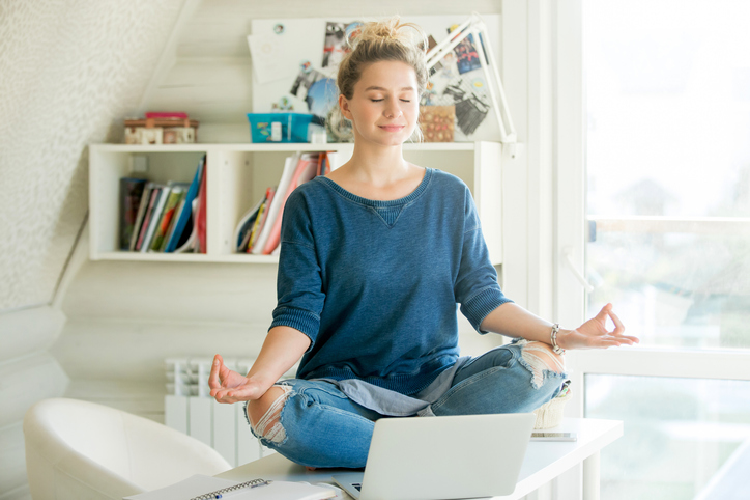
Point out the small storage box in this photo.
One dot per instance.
(161, 131)
(289, 127)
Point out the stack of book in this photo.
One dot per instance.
(259, 230)
(167, 217)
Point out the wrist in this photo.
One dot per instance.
(563, 338)
(558, 339)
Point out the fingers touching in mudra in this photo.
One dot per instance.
(228, 386)
(593, 334)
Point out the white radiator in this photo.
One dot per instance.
(222, 427)
(189, 409)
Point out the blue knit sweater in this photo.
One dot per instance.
(375, 284)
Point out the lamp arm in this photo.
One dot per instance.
(452, 43)
(493, 79)
(448, 39)
(475, 25)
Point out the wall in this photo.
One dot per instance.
(68, 72)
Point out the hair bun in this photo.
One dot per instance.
(388, 31)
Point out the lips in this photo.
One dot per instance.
(392, 128)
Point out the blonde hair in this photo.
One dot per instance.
(389, 40)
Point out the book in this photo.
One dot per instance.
(200, 221)
(187, 210)
(306, 169)
(131, 191)
(262, 213)
(202, 487)
(153, 198)
(166, 218)
(145, 198)
(155, 217)
(173, 223)
(245, 226)
(286, 177)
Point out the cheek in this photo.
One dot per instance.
(413, 111)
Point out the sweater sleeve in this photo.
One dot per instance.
(299, 283)
(477, 289)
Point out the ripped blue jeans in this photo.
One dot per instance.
(314, 424)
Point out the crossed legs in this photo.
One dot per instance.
(314, 424)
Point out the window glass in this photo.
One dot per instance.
(668, 168)
(684, 438)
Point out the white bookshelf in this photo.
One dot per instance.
(238, 175)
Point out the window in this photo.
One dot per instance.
(668, 168)
(667, 147)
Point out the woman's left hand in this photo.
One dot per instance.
(593, 334)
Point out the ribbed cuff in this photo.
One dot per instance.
(300, 319)
(479, 306)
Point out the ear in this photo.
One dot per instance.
(344, 105)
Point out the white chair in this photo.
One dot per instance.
(77, 449)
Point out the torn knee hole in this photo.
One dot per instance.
(539, 357)
(269, 425)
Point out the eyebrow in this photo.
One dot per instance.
(375, 87)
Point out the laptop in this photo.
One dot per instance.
(428, 458)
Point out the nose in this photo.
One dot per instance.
(393, 110)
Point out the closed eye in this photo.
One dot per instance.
(376, 100)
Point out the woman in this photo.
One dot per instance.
(375, 258)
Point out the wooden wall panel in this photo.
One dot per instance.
(30, 330)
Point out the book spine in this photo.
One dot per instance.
(170, 230)
(200, 222)
(131, 191)
(147, 217)
(145, 198)
(256, 227)
(166, 219)
(187, 209)
(290, 165)
(155, 218)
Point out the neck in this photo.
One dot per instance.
(376, 163)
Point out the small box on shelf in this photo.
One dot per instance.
(279, 127)
(161, 128)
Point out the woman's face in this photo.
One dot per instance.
(385, 105)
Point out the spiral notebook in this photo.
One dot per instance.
(201, 487)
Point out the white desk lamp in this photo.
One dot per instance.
(474, 25)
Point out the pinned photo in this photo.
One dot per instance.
(305, 79)
(335, 46)
(467, 56)
(472, 105)
(322, 96)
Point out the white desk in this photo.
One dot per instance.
(544, 461)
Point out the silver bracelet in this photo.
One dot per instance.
(556, 348)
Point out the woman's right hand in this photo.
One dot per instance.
(227, 386)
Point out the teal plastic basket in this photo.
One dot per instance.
(294, 126)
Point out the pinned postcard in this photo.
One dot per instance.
(271, 59)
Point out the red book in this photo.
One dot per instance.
(306, 170)
(200, 223)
